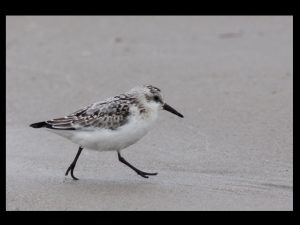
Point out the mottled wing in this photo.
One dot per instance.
(107, 115)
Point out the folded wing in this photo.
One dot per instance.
(104, 115)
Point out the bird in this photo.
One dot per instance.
(111, 125)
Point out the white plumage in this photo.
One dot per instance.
(111, 125)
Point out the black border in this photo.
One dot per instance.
(5, 13)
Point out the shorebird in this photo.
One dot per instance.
(112, 124)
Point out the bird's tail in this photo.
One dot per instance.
(38, 125)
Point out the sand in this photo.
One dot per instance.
(231, 77)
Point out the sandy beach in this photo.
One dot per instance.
(231, 77)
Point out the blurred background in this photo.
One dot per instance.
(230, 76)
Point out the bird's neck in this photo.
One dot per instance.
(149, 111)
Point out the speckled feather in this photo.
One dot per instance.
(109, 114)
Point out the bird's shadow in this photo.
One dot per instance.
(112, 186)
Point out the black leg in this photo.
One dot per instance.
(139, 172)
(73, 164)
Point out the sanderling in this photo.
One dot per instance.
(111, 125)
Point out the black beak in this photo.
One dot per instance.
(170, 109)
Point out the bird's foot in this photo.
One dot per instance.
(145, 174)
(71, 168)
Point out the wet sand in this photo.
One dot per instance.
(231, 77)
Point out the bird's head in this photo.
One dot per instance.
(151, 97)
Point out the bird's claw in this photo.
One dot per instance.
(144, 174)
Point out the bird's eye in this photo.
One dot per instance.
(156, 98)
